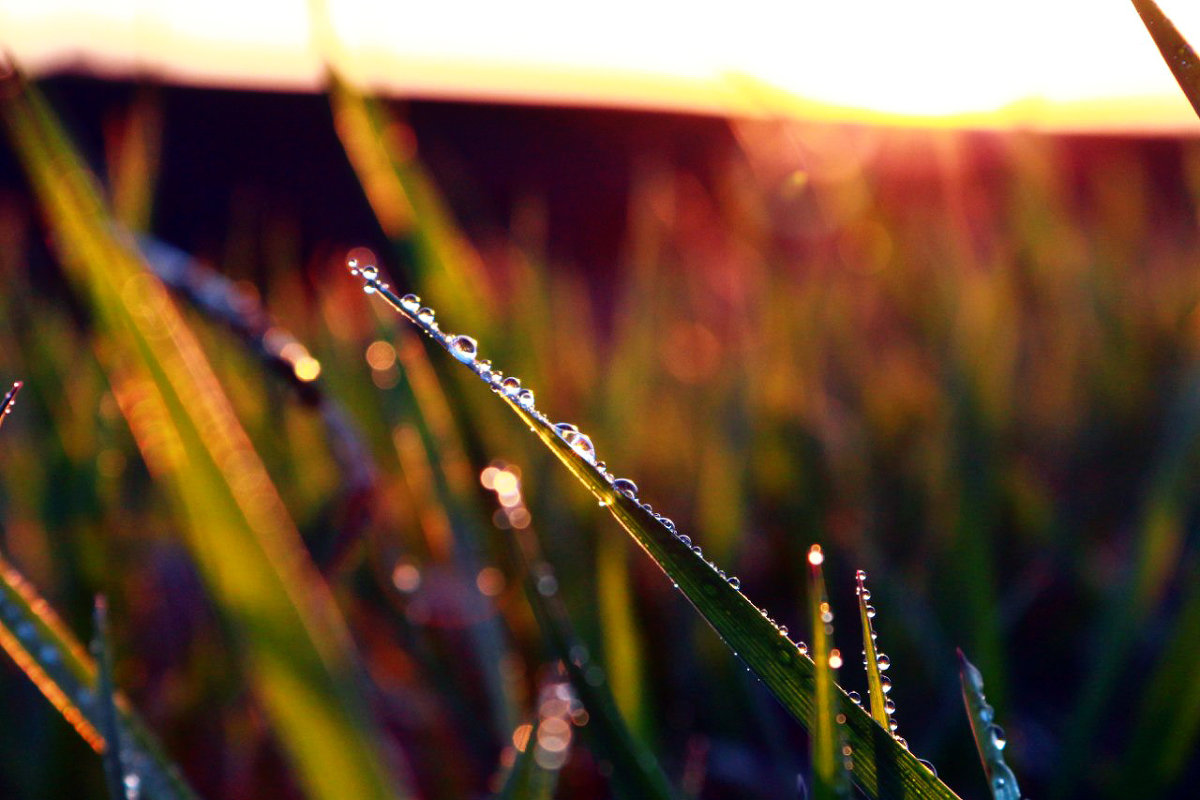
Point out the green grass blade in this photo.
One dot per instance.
(526, 780)
(295, 642)
(636, 772)
(1163, 743)
(882, 768)
(115, 757)
(10, 398)
(877, 686)
(989, 738)
(1175, 50)
(46, 651)
(828, 760)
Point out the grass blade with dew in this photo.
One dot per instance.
(1175, 50)
(46, 651)
(989, 737)
(882, 767)
(830, 762)
(122, 784)
(526, 779)
(296, 645)
(10, 399)
(636, 772)
(875, 662)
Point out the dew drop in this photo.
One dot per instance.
(667, 523)
(525, 398)
(885, 683)
(999, 740)
(410, 303)
(510, 386)
(582, 445)
(464, 348)
(735, 582)
(928, 765)
(892, 725)
(802, 647)
(783, 630)
(369, 272)
(856, 698)
(563, 428)
(889, 706)
(882, 661)
(425, 314)
(625, 487)
(687, 540)
(870, 612)
(352, 265)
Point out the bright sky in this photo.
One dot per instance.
(1043, 63)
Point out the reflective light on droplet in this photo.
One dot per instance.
(882, 661)
(815, 556)
(582, 445)
(464, 348)
(835, 659)
(510, 386)
(410, 303)
(525, 398)
(999, 740)
(626, 487)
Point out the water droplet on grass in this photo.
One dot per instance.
(410, 303)
(525, 398)
(626, 487)
(999, 740)
(882, 661)
(425, 314)
(464, 348)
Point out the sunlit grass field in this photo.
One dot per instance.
(968, 364)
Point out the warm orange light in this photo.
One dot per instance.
(1044, 63)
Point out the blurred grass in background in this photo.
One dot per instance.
(966, 363)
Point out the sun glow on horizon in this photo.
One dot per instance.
(1022, 62)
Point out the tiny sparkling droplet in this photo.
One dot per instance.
(999, 740)
(882, 661)
(889, 706)
(856, 698)
(871, 612)
(410, 302)
(687, 540)
(525, 398)
(510, 386)
(464, 348)
(735, 582)
(625, 487)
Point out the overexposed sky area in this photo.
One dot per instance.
(1005, 62)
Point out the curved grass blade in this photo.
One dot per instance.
(46, 651)
(10, 398)
(115, 756)
(829, 760)
(635, 770)
(296, 644)
(877, 685)
(882, 768)
(1163, 744)
(989, 737)
(1175, 50)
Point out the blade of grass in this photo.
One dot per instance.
(46, 651)
(1175, 50)
(635, 770)
(882, 768)
(1163, 743)
(876, 688)
(115, 757)
(825, 740)
(10, 398)
(989, 738)
(527, 780)
(249, 551)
